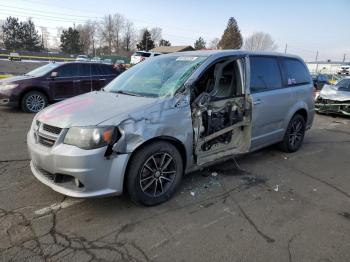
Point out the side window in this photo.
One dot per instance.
(146, 54)
(95, 70)
(265, 74)
(107, 70)
(67, 70)
(85, 70)
(222, 80)
(297, 73)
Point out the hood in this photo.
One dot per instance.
(92, 109)
(331, 92)
(15, 79)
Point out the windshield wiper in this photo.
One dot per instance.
(125, 93)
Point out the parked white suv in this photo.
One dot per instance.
(139, 56)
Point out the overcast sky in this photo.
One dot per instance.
(305, 26)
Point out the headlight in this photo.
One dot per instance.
(8, 86)
(90, 137)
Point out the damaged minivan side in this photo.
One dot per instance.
(169, 116)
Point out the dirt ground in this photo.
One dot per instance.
(278, 207)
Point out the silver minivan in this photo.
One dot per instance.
(169, 116)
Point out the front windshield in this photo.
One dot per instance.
(156, 77)
(343, 85)
(42, 70)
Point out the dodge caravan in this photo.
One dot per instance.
(169, 116)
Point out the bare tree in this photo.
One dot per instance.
(259, 41)
(107, 31)
(129, 38)
(214, 44)
(45, 34)
(87, 33)
(56, 39)
(119, 22)
(156, 35)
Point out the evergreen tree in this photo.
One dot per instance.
(199, 44)
(146, 43)
(70, 41)
(12, 34)
(164, 42)
(29, 37)
(232, 38)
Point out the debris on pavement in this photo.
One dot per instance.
(214, 174)
(276, 188)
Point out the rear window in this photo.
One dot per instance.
(297, 73)
(68, 70)
(265, 74)
(142, 54)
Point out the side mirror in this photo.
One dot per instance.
(54, 74)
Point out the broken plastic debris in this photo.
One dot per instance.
(315, 189)
(214, 174)
(285, 158)
(192, 193)
(276, 188)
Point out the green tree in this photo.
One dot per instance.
(70, 41)
(232, 38)
(29, 37)
(164, 42)
(199, 44)
(12, 34)
(146, 42)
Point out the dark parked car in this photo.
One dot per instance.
(54, 82)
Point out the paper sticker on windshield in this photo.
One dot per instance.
(186, 58)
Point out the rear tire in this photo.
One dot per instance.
(33, 102)
(294, 135)
(154, 173)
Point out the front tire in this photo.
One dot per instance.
(33, 102)
(294, 135)
(154, 174)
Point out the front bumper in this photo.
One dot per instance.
(6, 99)
(75, 172)
(335, 108)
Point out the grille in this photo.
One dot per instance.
(46, 141)
(52, 129)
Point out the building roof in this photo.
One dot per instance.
(172, 49)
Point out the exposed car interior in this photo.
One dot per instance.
(219, 108)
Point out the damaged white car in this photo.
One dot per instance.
(169, 116)
(335, 99)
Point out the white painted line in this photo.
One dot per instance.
(66, 203)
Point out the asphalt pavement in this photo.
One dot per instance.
(276, 207)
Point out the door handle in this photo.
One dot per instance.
(257, 102)
(76, 81)
(103, 79)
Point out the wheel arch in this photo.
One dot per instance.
(174, 141)
(33, 88)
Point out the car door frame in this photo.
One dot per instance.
(229, 149)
